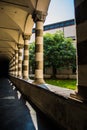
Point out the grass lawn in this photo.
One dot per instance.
(71, 84)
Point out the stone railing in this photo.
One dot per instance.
(65, 111)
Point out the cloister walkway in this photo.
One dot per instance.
(18, 114)
(17, 19)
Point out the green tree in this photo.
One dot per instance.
(32, 56)
(58, 51)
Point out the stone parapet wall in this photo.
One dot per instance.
(64, 71)
(63, 110)
(62, 76)
(66, 76)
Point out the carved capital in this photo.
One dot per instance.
(39, 16)
(26, 37)
(20, 46)
(16, 51)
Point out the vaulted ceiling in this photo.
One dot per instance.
(15, 20)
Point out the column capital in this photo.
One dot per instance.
(26, 36)
(13, 54)
(20, 46)
(16, 51)
(39, 16)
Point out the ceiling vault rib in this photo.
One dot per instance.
(7, 40)
(8, 47)
(26, 20)
(6, 52)
(36, 4)
(9, 28)
(13, 3)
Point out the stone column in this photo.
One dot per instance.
(81, 30)
(16, 63)
(39, 18)
(20, 50)
(26, 57)
(10, 67)
(13, 66)
(14, 72)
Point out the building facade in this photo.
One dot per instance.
(68, 27)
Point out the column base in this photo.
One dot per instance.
(39, 81)
(25, 78)
(19, 77)
(80, 94)
(76, 97)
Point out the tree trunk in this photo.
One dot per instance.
(53, 72)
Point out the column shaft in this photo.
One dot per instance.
(26, 57)
(14, 71)
(81, 29)
(16, 63)
(12, 66)
(39, 53)
(39, 18)
(20, 50)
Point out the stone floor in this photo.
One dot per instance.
(17, 114)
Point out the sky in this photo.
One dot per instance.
(60, 10)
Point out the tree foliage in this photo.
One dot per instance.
(32, 55)
(58, 51)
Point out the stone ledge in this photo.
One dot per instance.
(68, 112)
(66, 76)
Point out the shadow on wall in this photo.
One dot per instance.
(4, 67)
